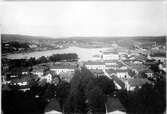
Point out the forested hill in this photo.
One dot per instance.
(17, 37)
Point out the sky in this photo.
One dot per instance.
(83, 18)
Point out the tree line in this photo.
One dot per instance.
(85, 93)
(13, 46)
(15, 66)
(150, 99)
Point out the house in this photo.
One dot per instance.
(132, 57)
(111, 72)
(33, 46)
(110, 56)
(55, 80)
(53, 107)
(149, 73)
(138, 67)
(114, 106)
(48, 76)
(66, 76)
(159, 57)
(94, 65)
(112, 64)
(62, 68)
(25, 71)
(118, 82)
(97, 73)
(40, 69)
(122, 73)
(123, 68)
(137, 62)
(38, 72)
(119, 73)
(131, 84)
(23, 81)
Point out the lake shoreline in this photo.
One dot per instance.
(83, 53)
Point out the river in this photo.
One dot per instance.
(84, 54)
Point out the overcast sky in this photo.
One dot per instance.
(66, 19)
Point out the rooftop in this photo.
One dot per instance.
(22, 79)
(63, 66)
(138, 81)
(94, 63)
(53, 105)
(97, 71)
(110, 71)
(111, 61)
(114, 104)
(110, 52)
(118, 81)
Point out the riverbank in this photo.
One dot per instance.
(84, 54)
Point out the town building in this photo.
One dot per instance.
(66, 76)
(97, 73)
(114, 106)
(39, 70)
(48, 76)
(94, 65)
(131, 84)
(112, 64)
(110, 56)
(53, 107)
(118, 82)
(119, 73)
(62, 69)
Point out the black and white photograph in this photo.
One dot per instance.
(83, 57)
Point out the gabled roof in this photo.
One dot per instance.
(139, 67)
(111, 65)
(49, 72)
(97, 71)
(110, 61)
(118, 81)
(94, 63)
(110, 52)
(138, 81)
(114, 104)
(53, 105)
(63, 67)
(121, 70)
(37, 70)
(22, 79)
(110, 71)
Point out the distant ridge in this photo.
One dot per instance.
(13, 37)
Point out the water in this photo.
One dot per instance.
(84, 54)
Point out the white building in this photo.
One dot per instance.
(62, 69)
(110, 56)
(122, 74)
(38, 72)
(95, 65)
(111, 64)
(119, 73)
(48, 77)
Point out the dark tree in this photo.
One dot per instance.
(96, 100)
(106, 84)
(62, 92)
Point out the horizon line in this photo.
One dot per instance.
(44, 37)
